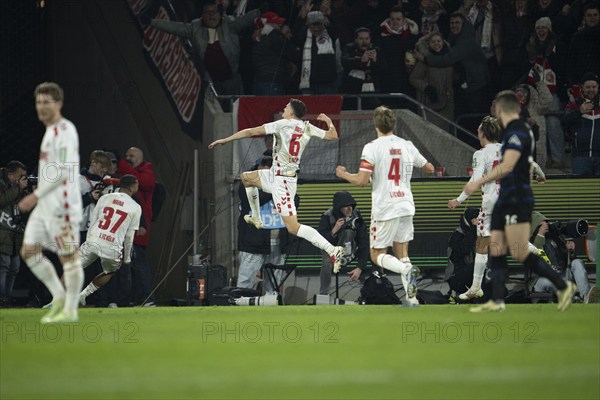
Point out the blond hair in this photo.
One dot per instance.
(384, 119)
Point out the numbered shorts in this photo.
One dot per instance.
(510, 214)
(56, 234)
(110, 259)
(383, 234)
(283, 189)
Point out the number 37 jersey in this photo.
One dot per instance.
(115, 216)
(391, 160)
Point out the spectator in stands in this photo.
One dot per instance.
(434, 84)
(544, 50)
(431, 17)
(360, 60)
(558, 14)
(397, 36)
(272, 53)
(135, 165)
(585, 46)
(216, 41)
(515, 27)
(343, 225)
(13, 187)
(260, 246)
(484, 15)
(535, 101)
(321, 54)
(466, 55)
(367, 13)
(560, 252)
(582, 118)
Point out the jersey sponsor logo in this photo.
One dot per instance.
(514, 139)
(397, 194)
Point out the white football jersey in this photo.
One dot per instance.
(484, 160)
(115, 216)
(391, 160)
(290, 137)
(59, 162)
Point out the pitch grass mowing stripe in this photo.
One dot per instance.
(349, 352)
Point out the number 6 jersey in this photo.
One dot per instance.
(290, 139)
(391, 160)
(115, 216)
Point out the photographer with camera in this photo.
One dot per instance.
(555, 238)
(343, 225)
(13, 186)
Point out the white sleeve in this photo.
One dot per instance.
(314, 131)
(478, 165)
(419, 160)
(367, 160)
(272, 127)
(128, 242)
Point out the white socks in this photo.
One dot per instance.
(314, 237)
(252, 193)
(89, 289)
(45, 272)
(478, 270)
(391, 263)
(73, 275)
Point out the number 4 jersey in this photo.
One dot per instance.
(391, 160)
(115, 216)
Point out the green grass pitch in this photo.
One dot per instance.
(312, 352)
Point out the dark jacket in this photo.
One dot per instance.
(258, 241)
(355, 227)
(270, 58)
(584, 54)
(461, 252)
(585, 127)
(466, 52)
(10, 239)
(147, 180)
(351, 60)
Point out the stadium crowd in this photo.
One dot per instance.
(452, 55)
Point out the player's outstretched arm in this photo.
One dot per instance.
(359, 179)
(331, 134)
(244, 133)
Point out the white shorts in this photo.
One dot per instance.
(109, 259)
(385, 233)
(484, 220)
(283, 189)
(55, 234)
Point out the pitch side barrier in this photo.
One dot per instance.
(560, 198)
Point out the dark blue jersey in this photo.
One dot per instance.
(515, 188)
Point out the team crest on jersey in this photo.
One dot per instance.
(474, 163)
(514, 139)
(63, 126)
